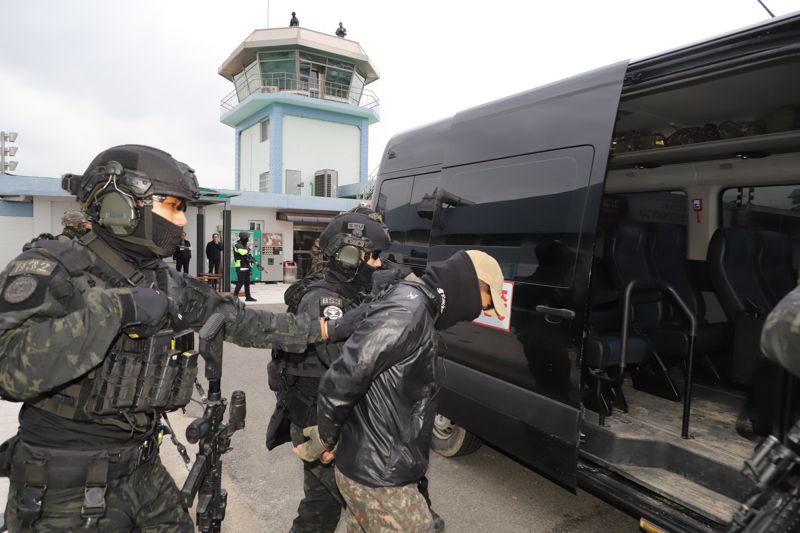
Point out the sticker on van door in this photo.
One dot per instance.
(491, 321)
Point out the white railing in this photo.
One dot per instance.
(289, 83)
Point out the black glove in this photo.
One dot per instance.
(143, 311)
(341, 328)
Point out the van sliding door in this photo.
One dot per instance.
(522, 180)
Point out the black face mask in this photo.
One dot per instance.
(166, 236)
(137, 247)
(363, 276)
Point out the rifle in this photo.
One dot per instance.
(252, 261)
(775, 469)
(213, 435)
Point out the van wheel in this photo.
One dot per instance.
(451, 440)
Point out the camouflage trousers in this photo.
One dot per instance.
(147, 501)
(321, 506)
(384, 509)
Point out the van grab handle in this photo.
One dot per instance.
(569, 314)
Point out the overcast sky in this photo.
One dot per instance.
(79, 76)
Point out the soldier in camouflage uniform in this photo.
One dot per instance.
(75, 226)
(96, 340)
(780, 338)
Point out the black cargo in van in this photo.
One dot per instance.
(646, 216)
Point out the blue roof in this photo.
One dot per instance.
(41, 186)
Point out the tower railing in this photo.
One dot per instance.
(284, 82)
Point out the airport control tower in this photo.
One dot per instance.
(301, 111)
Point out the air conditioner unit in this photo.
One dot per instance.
(326, 182)
(270, 89)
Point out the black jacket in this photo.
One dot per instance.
(214, 251)
(183, 251)
(378, 399)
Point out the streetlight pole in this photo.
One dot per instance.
(11, 151)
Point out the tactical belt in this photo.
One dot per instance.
(37, 468)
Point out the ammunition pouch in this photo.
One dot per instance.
(138, 377)
(7, 454)
(275, 376)
(34, 469)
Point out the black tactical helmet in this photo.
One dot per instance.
(117, 192)
(354, 231)
(244, 235)
(140, 171)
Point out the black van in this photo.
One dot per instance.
(646, 216)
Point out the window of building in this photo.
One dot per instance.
(263, 182)
(264, 130)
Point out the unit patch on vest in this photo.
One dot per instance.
(20, 289)
(40, 267)
(331, 308)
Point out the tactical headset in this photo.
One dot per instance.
(113, 196)
(351, 233)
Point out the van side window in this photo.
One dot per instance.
(423, 200)
(392, 204)
(775, 208)
(527, 211)
(662, 207)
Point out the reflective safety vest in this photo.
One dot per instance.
(240, 253)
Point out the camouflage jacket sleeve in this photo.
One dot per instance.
(321, 303)
(244, 326)
(51, 331)
(780, 338)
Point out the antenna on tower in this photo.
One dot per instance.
(267, 13)
(771, 14)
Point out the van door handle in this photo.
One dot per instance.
(552, 312)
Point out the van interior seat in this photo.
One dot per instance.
(731, 259)
(602, 352)
(629, 258)
(667, 254)
(778, 276)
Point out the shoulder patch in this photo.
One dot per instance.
(40, 267)
(332, 312)
(20, 289)
(331, 300)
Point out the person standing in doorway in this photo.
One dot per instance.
(182, 254)
(214, 254)
(242, 261)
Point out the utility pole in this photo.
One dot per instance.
(11, 151)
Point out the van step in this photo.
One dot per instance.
(700, 499)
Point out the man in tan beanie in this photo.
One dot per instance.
(378, 400)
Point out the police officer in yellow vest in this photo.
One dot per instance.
(242, 263)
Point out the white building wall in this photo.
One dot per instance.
(310, 145)
(253, 157)
(15, 232)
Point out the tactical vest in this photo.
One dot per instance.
(138, 377)
(308, 364)
(240, 256)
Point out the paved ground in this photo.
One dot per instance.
(482, 492)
